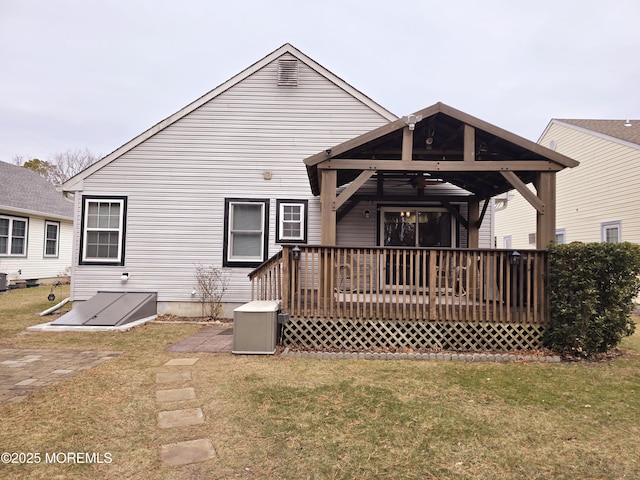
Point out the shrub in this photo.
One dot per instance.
(211, 285)
(591, 290)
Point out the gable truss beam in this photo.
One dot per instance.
(442, 166)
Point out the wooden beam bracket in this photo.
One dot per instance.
(352, 188)
(519, 185)
(454, 211)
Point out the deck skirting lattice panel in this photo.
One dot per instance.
(371, 335)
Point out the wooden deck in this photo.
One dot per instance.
(406, 284)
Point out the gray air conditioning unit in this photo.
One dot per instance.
(255, 327)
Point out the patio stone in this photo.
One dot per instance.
(173, 377)
(23, 371)
(182, 362)
(28, 381)
(175, 395)
(180, 418)
(185, 453)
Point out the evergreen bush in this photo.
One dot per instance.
(591, 287)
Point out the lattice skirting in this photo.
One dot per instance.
(372, 335)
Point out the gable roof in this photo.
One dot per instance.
(74, 183)
(24, 191)
(626, 130)
(445, 126)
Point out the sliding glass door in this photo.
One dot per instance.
(413, 227)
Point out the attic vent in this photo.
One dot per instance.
(287, 73)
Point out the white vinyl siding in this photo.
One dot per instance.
(176, 181)
(34, 264)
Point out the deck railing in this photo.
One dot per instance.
(395, 283)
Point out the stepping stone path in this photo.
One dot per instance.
(192, 451)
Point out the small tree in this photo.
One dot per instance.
(61, 166)
(211, 285)
(69, 163)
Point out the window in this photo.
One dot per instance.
(292, 221)
(103, 225)
(612, 232)
(13, 236)
(532, 239)
(51, 235)
(246, 232)
(507, 241)
(561, 236)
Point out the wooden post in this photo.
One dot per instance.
(287, 272)
(329, 180)
(469, 154)
(407, 145)
(473, 232)
(546, 221)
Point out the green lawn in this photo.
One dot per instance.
(277, 418)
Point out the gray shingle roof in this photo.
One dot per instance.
(613, 128)
(20, 188)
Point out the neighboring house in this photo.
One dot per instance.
(595, 202)
(221, 182)
(36, 227)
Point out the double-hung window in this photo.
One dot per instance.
(51, 236)
(291, 218)
(246, 232)
(13, 236)
(611, 232)
(103, 229)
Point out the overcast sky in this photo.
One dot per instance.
(96, 73)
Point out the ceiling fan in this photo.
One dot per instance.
(419, 181)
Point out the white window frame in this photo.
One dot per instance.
(606, 226)
(245, 261)
(561, 232)
(10, 236)
(507, 241)
(119, 259)
(48, 223)
(302, 222)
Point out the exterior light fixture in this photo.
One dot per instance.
(296, 253)
(515, 257)
(366, 213)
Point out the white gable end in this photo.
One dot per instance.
(177, 178)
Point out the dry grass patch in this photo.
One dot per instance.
(283, 418)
